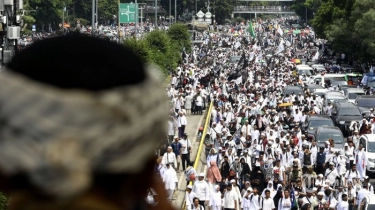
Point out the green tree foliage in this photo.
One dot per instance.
(349, 25)
(163, 51)
(140, 48)
(45, 12)
(179, 34)
(223, 10)
(157, 48)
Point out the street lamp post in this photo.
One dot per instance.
(175, 11)
(170, 12)
(156, 13)
(93, 17)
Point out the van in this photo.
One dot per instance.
(368, 143)
(320, 79)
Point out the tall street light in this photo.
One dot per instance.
(170, 12)
(156, 13)
(175, 11)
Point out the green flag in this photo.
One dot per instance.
(251, 30)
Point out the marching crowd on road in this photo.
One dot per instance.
(260, 148)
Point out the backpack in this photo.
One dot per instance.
(307, 159)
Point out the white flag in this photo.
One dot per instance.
(238, 44)
(280, 31)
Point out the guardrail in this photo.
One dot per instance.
(201, 144)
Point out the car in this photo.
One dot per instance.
(318, 66)
(333, 96)
(320, 92)
(336, 82)
(365, 103)
(347, 68)
(320, 79)
(344, 87)
(367, 203)
(368, 143)
(343, 113)
(352, 93)
(293, 89)
(323, 133)
(313, 87)
(313, 122)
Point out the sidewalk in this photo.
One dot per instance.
(193, 124)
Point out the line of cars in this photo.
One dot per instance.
(349, 103)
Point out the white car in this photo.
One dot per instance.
(367, 203)
(368, 142)
(352, 93)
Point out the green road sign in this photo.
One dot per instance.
(128, 13)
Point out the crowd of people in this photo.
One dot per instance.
(259, 155)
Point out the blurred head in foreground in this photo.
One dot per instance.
(73, 133)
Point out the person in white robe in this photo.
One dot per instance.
(270, 188)
(236, 189)
(190, 195)
(246, 203)
(361, 162)
(215, 201)
(170, 181)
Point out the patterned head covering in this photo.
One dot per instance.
(59, 138)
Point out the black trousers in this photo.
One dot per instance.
(228, 209)
(185, 158)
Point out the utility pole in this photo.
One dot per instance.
(93, 17)
(96, 13)
(156, 13)
(136, 19)
(10, 30)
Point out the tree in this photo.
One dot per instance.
(140, 48)
(179, 34)
(223, 10)
(163, 52)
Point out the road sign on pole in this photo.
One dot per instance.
(128, 13)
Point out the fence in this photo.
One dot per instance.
(198, 158)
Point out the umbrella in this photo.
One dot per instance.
(295, 60)
(285, 104)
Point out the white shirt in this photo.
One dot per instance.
(185, 143)
(181, 120)
(169, 157)
(202, 190)
(230, 198)
(268, 204)
(344, 205)
(285, 204)
(361, 194)
(255, 202)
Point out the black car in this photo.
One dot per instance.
(365, 103)
(315, 121)
(343, 113)
(293, 89)
(322, 134)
